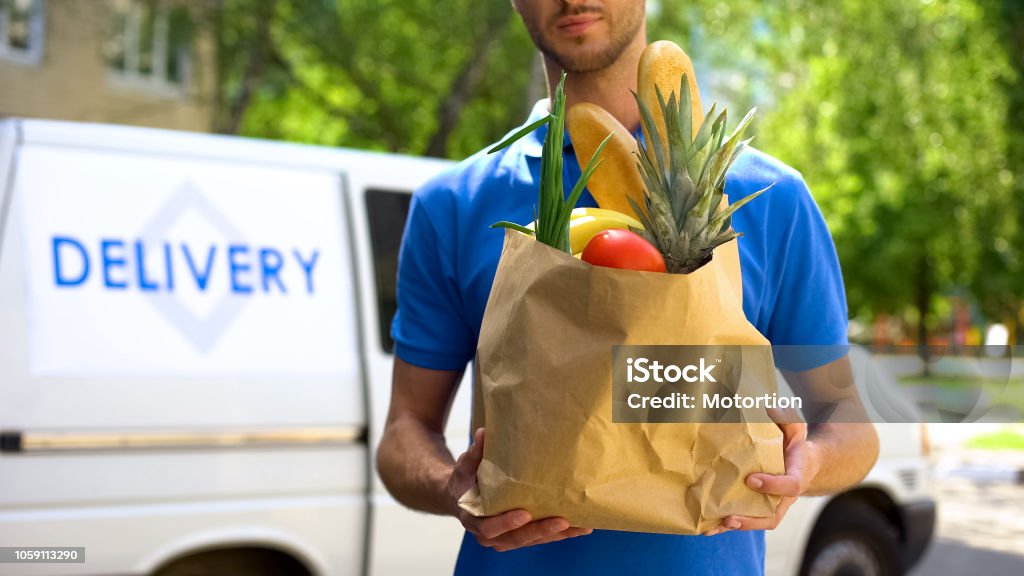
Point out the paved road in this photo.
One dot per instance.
(910, 365)
(981, 522)
(949, 557)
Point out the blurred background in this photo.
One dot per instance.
(906, 117)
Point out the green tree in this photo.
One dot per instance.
(897, 122)
(409, 76)
(906, 118)
(1000, 287)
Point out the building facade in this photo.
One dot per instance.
(135, 62)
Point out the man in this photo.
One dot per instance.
(793, 294)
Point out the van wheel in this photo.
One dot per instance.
(236, 562)
(852, 539)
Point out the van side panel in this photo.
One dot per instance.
(130, 427)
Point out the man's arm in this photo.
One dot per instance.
(844, 443)
(419, 471)
(844, 454)
(413, 459)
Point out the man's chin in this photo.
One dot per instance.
(583, 60)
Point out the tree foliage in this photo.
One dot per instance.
(406, 76)
(905, 117)
(897, 120)
(1001, 292)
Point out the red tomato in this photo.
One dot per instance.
(617, 248)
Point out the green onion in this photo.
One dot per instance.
(551, 224)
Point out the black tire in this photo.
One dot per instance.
(235, 562)
(852, 538)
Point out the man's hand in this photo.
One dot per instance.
(506, 531)
(417, 468)
(802, 466)
(839, 453)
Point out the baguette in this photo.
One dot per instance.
(618, 176)
(662, 65)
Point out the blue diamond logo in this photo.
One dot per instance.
(203, 331)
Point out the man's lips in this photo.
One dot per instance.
(578, 24)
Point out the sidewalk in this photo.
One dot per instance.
(981, 506)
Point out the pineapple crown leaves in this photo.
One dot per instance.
(685, 181)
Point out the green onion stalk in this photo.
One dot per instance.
(552, 211)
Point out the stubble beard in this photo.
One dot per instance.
(598, 59)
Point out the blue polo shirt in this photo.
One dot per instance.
(792, 293)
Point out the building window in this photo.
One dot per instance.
(22, 23)
(150, 45)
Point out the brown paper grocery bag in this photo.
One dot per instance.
(542, 389)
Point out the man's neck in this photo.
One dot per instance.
(609, 88)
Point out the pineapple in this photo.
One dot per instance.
(681, 215)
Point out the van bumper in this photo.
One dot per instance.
(918, 520)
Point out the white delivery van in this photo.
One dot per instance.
(195, 367)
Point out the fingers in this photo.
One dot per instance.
(789, 485)
(491, 527)
(793, 427)
(563, 535)
(532, 532)
(473, 455)
(750, 523)
(792, 483)
(727, 524)
(464, 473)
(785, 485)
(793, 432)
(507, 531)
(785, 416)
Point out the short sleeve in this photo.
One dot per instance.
(429, 328)
(810, 306)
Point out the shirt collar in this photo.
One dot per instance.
(533, 143)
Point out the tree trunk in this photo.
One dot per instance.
(216, 21)
(461, 91)
(1018, 321)
(923, 303)
(254, 68)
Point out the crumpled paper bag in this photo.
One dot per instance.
(542, 390)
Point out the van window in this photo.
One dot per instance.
(386, 210)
